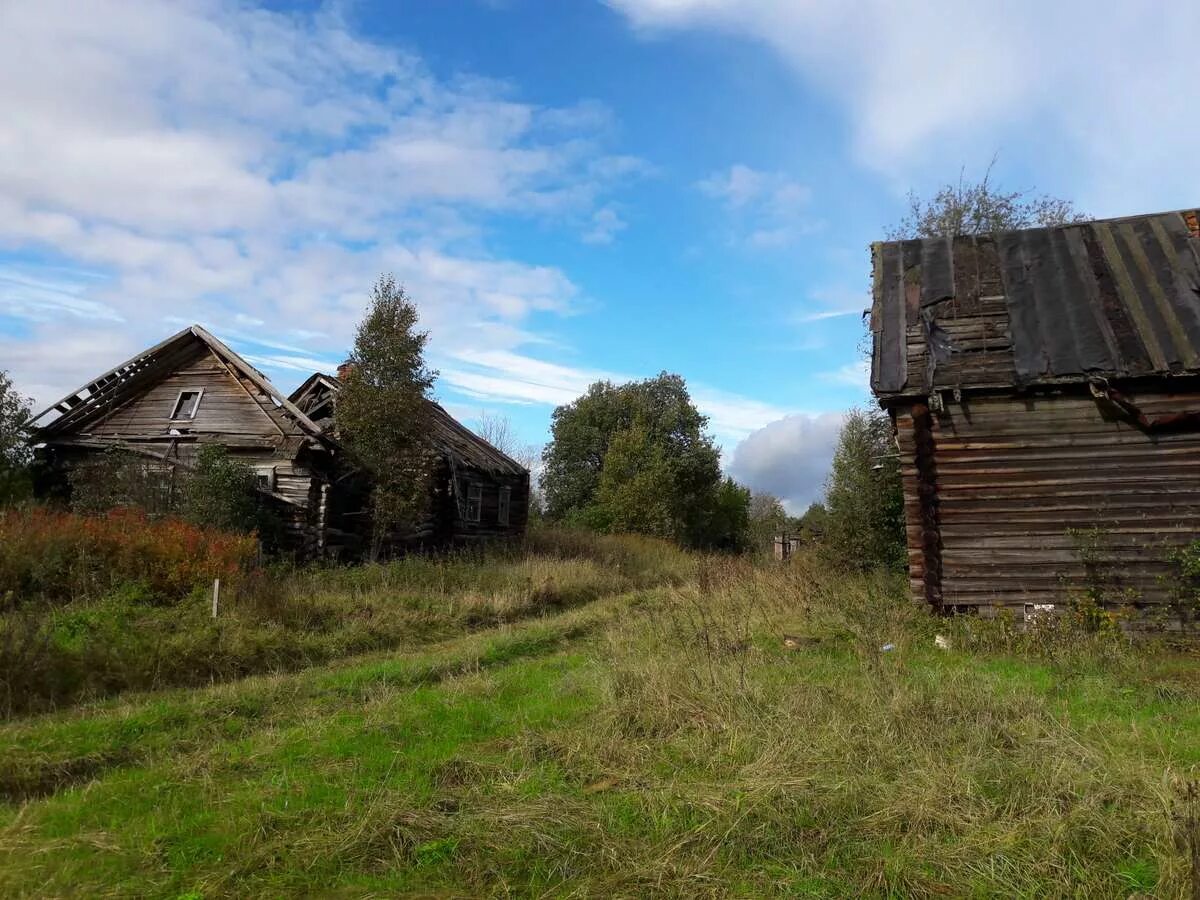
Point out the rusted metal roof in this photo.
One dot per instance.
(1111, 298)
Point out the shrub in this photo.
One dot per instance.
(61, 556)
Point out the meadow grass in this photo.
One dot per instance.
(666, 741)
(54, 654)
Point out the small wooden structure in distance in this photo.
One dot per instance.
(1045, 389)
(191, 389)
(787, 545)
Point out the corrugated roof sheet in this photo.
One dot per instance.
(1118, 297)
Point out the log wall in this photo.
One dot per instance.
(1013, 476)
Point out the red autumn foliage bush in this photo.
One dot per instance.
(62, 556)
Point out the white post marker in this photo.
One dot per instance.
(216, 594)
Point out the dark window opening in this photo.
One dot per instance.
(503, 505)
(186, 405)
(474, 508)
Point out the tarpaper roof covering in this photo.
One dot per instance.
(1112, 298)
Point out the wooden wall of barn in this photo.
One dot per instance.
(995, 485)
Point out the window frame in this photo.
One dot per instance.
(267, 473)
(473, 511)
(177, 413)
(504, 505)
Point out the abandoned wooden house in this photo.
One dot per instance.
(1045, 389)
(480, 492)
(190, 390)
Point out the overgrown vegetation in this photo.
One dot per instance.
(98, 605)
(864, 503)
(15, 454)
(979, 207)
(738, 731)
(383, 411)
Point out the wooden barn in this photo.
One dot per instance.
(191, 390)
(1045, 389)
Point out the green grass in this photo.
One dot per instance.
(54, 655)
(661, 742)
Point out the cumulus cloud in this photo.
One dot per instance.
(789, 458)
(1105, 87)
(255, 171)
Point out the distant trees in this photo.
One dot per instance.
(979, 207)
(864, 503)
(636, 457)
(500, 432)
(383, 413)
(15, 453)
(767, 519)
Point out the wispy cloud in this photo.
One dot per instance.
(768, 210)
(605, 226)
(856, 374)
(832, 303)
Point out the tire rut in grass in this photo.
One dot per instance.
(36, 778)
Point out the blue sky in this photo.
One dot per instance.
(570, 190)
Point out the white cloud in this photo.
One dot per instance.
(833, 303)
(856, 375)
(256, 171)
(767, 210)
(1104, 88)
(502, 376)
(789, 458)
(604, 227)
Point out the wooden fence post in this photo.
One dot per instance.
(216, 594)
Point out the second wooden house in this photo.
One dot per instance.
(161, 406)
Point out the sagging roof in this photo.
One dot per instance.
(450, 436)
(102, 395)
(1111, 298)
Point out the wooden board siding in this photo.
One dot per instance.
(228, 406)
(1015, 474)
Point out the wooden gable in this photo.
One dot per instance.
(225, 405)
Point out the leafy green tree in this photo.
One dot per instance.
(15, 453)
(221, 492)
(383, 412)
(863, 497)
(979, 207)
(635, 457)
(728, 526)
(630, 495)
(815, 521)
(767, 518)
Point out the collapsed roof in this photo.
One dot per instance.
(316, 396)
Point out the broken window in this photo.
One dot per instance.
(474, 502)
(264, 478)
(187, 404)
(502, 507)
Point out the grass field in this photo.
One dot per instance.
(656, 741)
